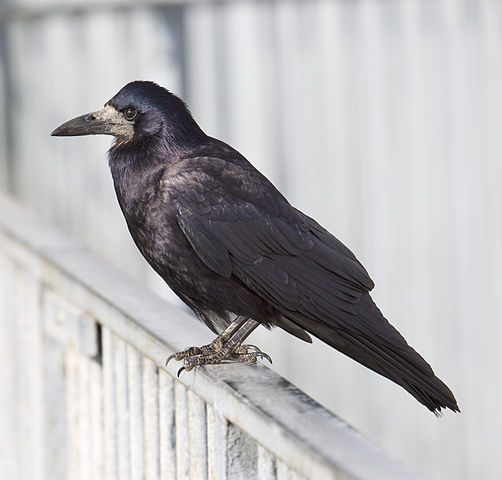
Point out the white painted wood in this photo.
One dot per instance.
(216, 444)
(75, 459)
(151, 419)
(29, 367)
(182, 433)
(83, 429)
(109, 409)
(267, 465)
(167, 426)
(69, 325)
(197, 424)
(136, 419)
(84, 417)
(242, 455)
(97, 423)
(285, 473)
(55, 380)
(123, 409)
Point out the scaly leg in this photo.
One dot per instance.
(227, 347)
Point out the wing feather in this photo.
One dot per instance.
(240, 225)
(209, 250)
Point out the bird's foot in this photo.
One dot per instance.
(204, 350)
(248, 354)
(216, 353)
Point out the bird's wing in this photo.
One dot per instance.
(247, 228)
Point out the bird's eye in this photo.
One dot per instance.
(130, 113)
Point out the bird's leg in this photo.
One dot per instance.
(245, 353)
(231, 351)
(212, 347)
(228, 348)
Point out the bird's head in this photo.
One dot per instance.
(139, 111)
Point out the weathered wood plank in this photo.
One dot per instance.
(216, 445)
(122, 409)
(109, 410)
(197, 424)
(136, 419)
(182, 432)
(167, 426)
(151, 419)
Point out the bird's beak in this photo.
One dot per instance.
(107, 121)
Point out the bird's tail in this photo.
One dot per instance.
(377, 345)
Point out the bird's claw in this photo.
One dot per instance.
(189, 364)
(246, 348)
(249, 357)
(189, 352)
(264, 355)
(169, 358)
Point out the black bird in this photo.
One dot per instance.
(234, 250)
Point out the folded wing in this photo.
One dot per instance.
(309, 276)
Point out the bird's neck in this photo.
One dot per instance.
(136, 173)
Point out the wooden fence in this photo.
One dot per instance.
(86, 396)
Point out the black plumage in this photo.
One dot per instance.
(228, 243)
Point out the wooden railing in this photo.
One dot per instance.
(85, 394)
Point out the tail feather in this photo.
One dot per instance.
(417, 377)
(376, 344)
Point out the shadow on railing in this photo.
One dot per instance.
(87, 395)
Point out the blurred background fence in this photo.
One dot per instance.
(380, 118)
